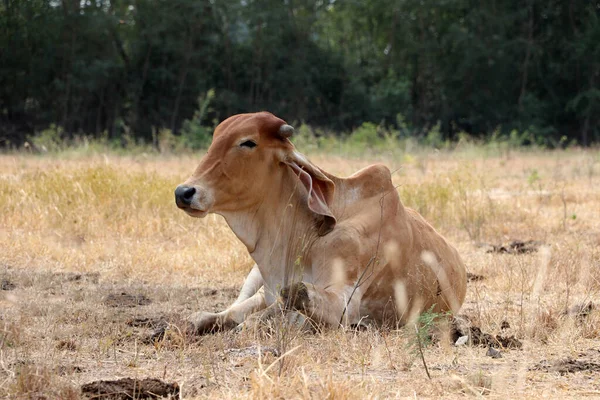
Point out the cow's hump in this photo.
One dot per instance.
(374, 180)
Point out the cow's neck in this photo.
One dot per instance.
(278, 231)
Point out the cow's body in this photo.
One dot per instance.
(341, 251)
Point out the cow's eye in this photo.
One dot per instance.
(248, 143)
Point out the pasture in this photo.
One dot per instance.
(94, 255)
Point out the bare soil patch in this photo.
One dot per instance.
(5, 284)
(147, 322)
(128, 388)
(586, 361)
(516, 247)
(125, 299)
(87, 277)
(155, 329)
(69, 369)
(252, 351)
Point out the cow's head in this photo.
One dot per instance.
(247, 155)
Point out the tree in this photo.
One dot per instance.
(137, 66)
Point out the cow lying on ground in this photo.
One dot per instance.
(341, 251)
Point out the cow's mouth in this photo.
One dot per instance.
(192, 212)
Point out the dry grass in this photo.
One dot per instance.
(76, 229)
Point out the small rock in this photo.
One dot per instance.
(461, 341)
(492, 352)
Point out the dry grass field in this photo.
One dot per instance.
(93, 252)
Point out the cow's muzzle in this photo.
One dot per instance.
(184, 196)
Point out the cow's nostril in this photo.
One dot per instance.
(189, 193)
(184, 195)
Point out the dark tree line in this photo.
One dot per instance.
(102, 66)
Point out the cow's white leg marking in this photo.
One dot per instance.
(207, 322)
(252, 284)
(239, 311)
(250, 300)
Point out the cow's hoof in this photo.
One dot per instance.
(295, 297)
(202, 323)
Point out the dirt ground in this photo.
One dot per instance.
(94, 257)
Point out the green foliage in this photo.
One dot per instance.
(48, 140)
(194, 134)
(305, 139)
(434, 137)
(425, 325)
(366, 135)
(533, 177)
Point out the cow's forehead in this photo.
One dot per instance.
(263, 123)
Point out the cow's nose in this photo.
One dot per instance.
(184, 195)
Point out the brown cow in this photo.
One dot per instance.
(338, 250)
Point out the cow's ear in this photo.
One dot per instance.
(320, 190)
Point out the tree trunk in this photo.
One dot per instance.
(182, 76)
(527, 58)
(99, 112)
(590, 109)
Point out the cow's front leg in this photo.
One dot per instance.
(250, 300)
(332, 306)
(206, 322)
